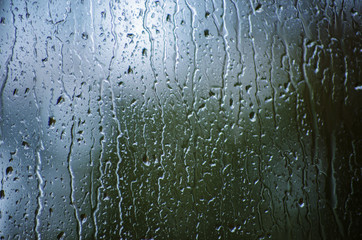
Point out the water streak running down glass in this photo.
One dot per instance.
(180, 119)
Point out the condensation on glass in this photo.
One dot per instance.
(181, 119)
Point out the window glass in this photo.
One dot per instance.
(183, 119)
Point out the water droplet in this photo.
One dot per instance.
(9, 170)
(144, 52)
(301, 203)
(146, 160)
(83, 218)
(2, 194)
(84, 36)
(252, 116)
(129, 70)
(168, 18)
(60, 100)
(60, 235)
(258, 8)
(25, 144)
(51, 121)
(103, 14)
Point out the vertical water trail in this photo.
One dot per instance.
(238, 37)
(62, 71)
(100, 167)
(192, 20)
(333, 143)
(298, 121)
(114, 112)
(154, 75)
(273, 92)
(288, 226)
(70, 151)
(315, 130)
(91, 158)
(254, 55)
(294, 84)
(164, 52)
(259, 156)
(91, 185)
(39, 147)
(91, 13)
(163, 133)
(6, 77)
(194, 130)
(2, 87)
(333, 182)
(273, 89)
(222, 77)
(178, 56)
(175, 38)
(41, 193)
(38, 165)
(62, 55)
(71, 178)
(224, 87)
(226, 59)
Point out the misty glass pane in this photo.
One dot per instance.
(180, 119)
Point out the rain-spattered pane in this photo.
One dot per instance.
(183, 119)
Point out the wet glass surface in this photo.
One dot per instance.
(181, 119)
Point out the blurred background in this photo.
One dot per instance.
(183, 119)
